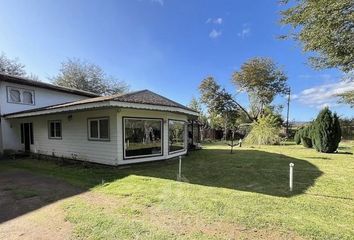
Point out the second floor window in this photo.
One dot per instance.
(22, 96)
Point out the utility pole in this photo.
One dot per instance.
(287, 114)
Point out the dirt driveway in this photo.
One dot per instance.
(30, 206)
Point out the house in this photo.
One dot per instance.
(114, 130)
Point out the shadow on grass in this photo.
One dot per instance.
(246, 170)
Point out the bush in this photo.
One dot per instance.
(265, 131)
(297, 136)
(326, 132)
(306, 136)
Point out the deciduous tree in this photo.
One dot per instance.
(11, 66)
(75, 73)
(262, 80)
(325, 28)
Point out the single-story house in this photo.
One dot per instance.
(114, 130)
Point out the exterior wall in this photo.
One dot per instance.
(74, 143)
(148, 114)
(42, 97)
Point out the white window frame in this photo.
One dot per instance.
(184, 137)
(49, 130)
(142, 156)
(89, 120)
(21, 90)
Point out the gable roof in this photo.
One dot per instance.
(25, 81)
(143, 99)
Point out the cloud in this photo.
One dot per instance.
(161, 2)
(245, 32)
(325, 94)
(215, 34)
(215, 20)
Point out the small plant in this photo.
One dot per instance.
(326, 132)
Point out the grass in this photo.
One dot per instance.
(248, 189)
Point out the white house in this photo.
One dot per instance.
(114, 130)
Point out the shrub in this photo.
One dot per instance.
(306, 136)
(265, 131)
(327, 132)
(297, 136)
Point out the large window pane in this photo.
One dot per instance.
(143, 137)
(104, 132)
(94, 129)
(176, 136)
(27, 97)
(15, 96)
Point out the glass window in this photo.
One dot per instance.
(176, 136)
(27, 97)
(143, 137)
(15, 96)
(99, 129)
(55, 129)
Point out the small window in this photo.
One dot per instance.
(27, 97)
(55, 129)
(98, 129)
(15, 96)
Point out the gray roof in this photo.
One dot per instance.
(29, 82)
(139, 97)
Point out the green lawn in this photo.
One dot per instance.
(247, 190)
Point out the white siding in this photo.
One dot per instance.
(42, 97)
(148, 114)
(74, 142)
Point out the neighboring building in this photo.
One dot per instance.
(119, 129)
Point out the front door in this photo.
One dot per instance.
(28, 136)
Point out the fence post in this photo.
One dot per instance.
(291, 175)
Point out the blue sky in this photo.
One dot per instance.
(167, 46)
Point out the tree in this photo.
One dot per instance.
(75, 73)
(11, 66)
(262, 80)
(265, 131)
(324, 27)
(326, 132)
(347, 98)
(307, 136)
(220, 102)
(202, 118)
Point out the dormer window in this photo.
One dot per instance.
(21, 96)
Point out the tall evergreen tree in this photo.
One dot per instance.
(326, 132)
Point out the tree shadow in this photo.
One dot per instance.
(28, 187)
(245, 170)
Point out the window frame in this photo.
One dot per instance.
(89, 138)
(49, 130)
(21, 90)
(184, 137)
(142, 156)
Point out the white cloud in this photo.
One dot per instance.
(215, 20)
(161, 2)
(215, 34)
(325, 94)
(245, 32)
